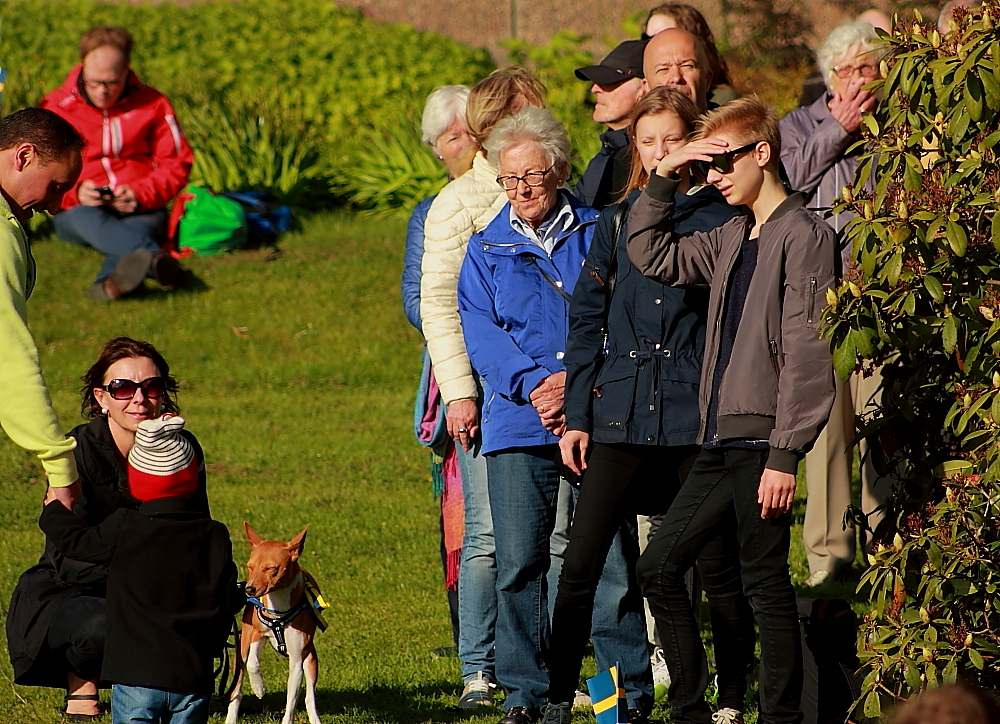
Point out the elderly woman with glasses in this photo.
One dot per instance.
(135, 162)
(56, 620)
(513, 295)
(816, 140)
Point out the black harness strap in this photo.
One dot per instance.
(277, 624)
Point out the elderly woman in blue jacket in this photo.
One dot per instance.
(513, 294)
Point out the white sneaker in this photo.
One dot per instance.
(817, 579)
(727, 716)
(478, 692)
(581, 700)
(661, 674)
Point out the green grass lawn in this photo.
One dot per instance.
(297, 375)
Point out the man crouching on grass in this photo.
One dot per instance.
(766, 392)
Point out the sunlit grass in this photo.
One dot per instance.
(297, 375)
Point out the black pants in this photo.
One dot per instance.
(621, 479)
(77, 631)
(724, 483)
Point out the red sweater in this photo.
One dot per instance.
(136, 143)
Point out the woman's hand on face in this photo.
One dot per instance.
(702, 150)
(573, 446)
(463, 422)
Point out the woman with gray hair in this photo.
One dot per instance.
(816, 144)
(513, 297)
(443, 129)
(815, 140)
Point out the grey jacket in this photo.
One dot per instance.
(814, 152)
(779, 383)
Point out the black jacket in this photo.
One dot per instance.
(172, 589)
(44, 587)
(607, 172)
(648, 381)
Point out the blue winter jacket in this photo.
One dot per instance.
(412, 257)
(515, 322)
(643, 389)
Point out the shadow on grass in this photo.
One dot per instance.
(433, 701)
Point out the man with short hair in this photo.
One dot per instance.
(39, 162)
(136, 161)
(766, 392)
(676, 58)
(617, 85)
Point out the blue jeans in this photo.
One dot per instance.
(523, 488)
(477, 577)
(139, 705)
(112, 235)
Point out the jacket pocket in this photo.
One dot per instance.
(613, 408)
(772, 352)
(811, 301)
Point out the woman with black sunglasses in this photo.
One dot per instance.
(56, 623)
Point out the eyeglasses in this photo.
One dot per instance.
(847, 71)
(152, 387)
(532, 178)
(107, 84)
(723, 162)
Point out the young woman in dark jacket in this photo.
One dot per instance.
(56, 620)
(632, 415)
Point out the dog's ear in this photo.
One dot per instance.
(296, 544)
(251, 535)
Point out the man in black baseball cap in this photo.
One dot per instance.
(617, 85)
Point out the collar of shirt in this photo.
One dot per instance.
(613, 140)
(549, 231)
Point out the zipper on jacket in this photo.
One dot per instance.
(772, 346)
(812, 300)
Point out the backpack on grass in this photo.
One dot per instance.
(204, 224)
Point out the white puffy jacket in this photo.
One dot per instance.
(465, 206)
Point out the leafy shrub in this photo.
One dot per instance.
(340, 73)
(924, 304)
(245, 144)
(395, 173)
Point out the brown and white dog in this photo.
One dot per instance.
(282, 616)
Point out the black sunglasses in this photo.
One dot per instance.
(723, 162)
(152, 387)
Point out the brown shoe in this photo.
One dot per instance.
(129, 272)
(168, 272)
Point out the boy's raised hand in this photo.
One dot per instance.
(701, 150)
(776, 493)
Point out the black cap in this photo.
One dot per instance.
(622, 63)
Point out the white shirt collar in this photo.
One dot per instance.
(551, 229)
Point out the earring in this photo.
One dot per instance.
(104, 411)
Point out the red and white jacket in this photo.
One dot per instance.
(136, 143)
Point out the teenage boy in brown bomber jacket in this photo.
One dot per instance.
(766, 392)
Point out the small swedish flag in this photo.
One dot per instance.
(608, 696)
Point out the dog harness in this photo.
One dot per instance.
(276, 622)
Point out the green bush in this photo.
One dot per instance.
(258, 145)
(338, 72)
(923, 303)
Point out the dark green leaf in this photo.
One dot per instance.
(957, 238)
(845, 358)
(934, 288)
